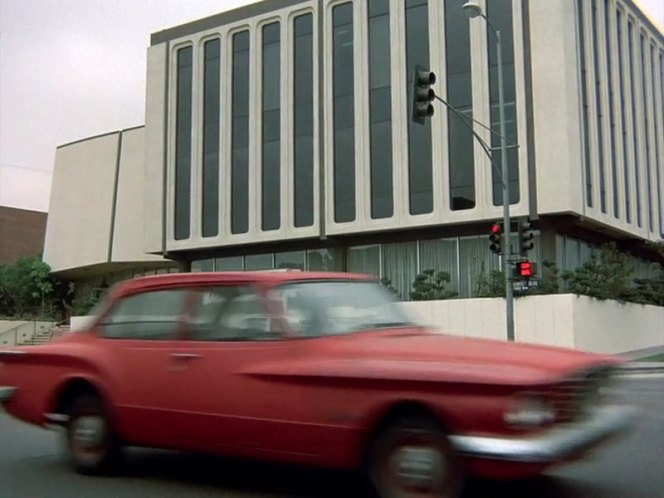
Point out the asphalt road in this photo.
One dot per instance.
(31, 467)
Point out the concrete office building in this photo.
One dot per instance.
(279, 135)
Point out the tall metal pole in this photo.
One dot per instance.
(507, 229)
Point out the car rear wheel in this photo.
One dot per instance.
(92, 445)
(412, 458)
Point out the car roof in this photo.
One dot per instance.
(268, 278)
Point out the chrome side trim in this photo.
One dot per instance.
(6, 393)
(56, 418)
(554, 445)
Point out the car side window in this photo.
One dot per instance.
(230, 313)
(146, 316)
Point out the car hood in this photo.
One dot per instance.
(415, 354)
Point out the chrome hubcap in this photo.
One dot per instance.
(418, 467)
(88, 432)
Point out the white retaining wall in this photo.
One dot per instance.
(559, 320)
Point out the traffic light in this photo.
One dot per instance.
(495, 238)
(423, 94)
(526, 236)
(524, 269)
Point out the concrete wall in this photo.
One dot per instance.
(564, 320)
(16, 331)
(21, 233)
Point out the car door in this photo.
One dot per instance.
(233, 400)
(141, 334)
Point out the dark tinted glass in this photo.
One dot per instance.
(344, 111)
(303, 86)
(183, 144)
(598, 105)
(258, 262)
(584, 103)
(612, 118)
(271, 149)
(420, 180)
(240, 135)
(459, 95)
(623, 120)
(658, 132)
(211, 111)
(380, 101)
(646, 125)
(500, 14)
(635, 121)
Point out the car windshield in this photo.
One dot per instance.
(335, 307)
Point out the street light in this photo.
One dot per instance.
(473, 9)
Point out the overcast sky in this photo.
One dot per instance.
(70, 69)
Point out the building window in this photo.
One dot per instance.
(646, 124)
(441, 255)
(344, 113)
(259, 262)
(400, 266)
(211, 110)
(291, 259)
(612, 117)
(240, 134)
(420, 177)
(364, 259)
(658, 130)
(584, 104)
(500, 14)
(598, 106)
(271, 152)
(460, 96)
(324, 260)
(183, 144)
(623, 118)
(303, 88)
(231, 263)
(635, 126)
(202, 265)
(380, 111)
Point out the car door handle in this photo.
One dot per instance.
(186, 356)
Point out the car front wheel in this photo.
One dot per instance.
(412, 458)
(92, 445)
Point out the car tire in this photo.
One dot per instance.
(92, 445)
(412, 457)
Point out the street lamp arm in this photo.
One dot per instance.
(480, 140)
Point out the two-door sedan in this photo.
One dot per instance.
(323, 369)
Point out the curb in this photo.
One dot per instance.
(636, 367)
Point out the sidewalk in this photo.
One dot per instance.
(638, 367)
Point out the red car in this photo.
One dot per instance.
(316, 368)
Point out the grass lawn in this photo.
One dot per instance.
(657, 357)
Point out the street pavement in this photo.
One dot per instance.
(31, 466)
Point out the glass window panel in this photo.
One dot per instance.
(441, 255)
(400, 266)
(459, 95)
(211, 110)
(324, 260)
(232, 263)
(420, 178)
(635, 122)
(183, 143)
(380, 101)
(364, 259)
(303, 121)
(646, 125)
(258, 262)
(612, 119)
(290, 259)
(343, 112)
(271, 149)
(202, 265)
(658, 132)
(476, 262)
(584, 102)
(623, 118)
(500, 14)
(596, 26)
(240, 134)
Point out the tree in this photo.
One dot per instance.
(430, 285)
(26, 287)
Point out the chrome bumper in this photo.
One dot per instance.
(557, 444)
(6, 393)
